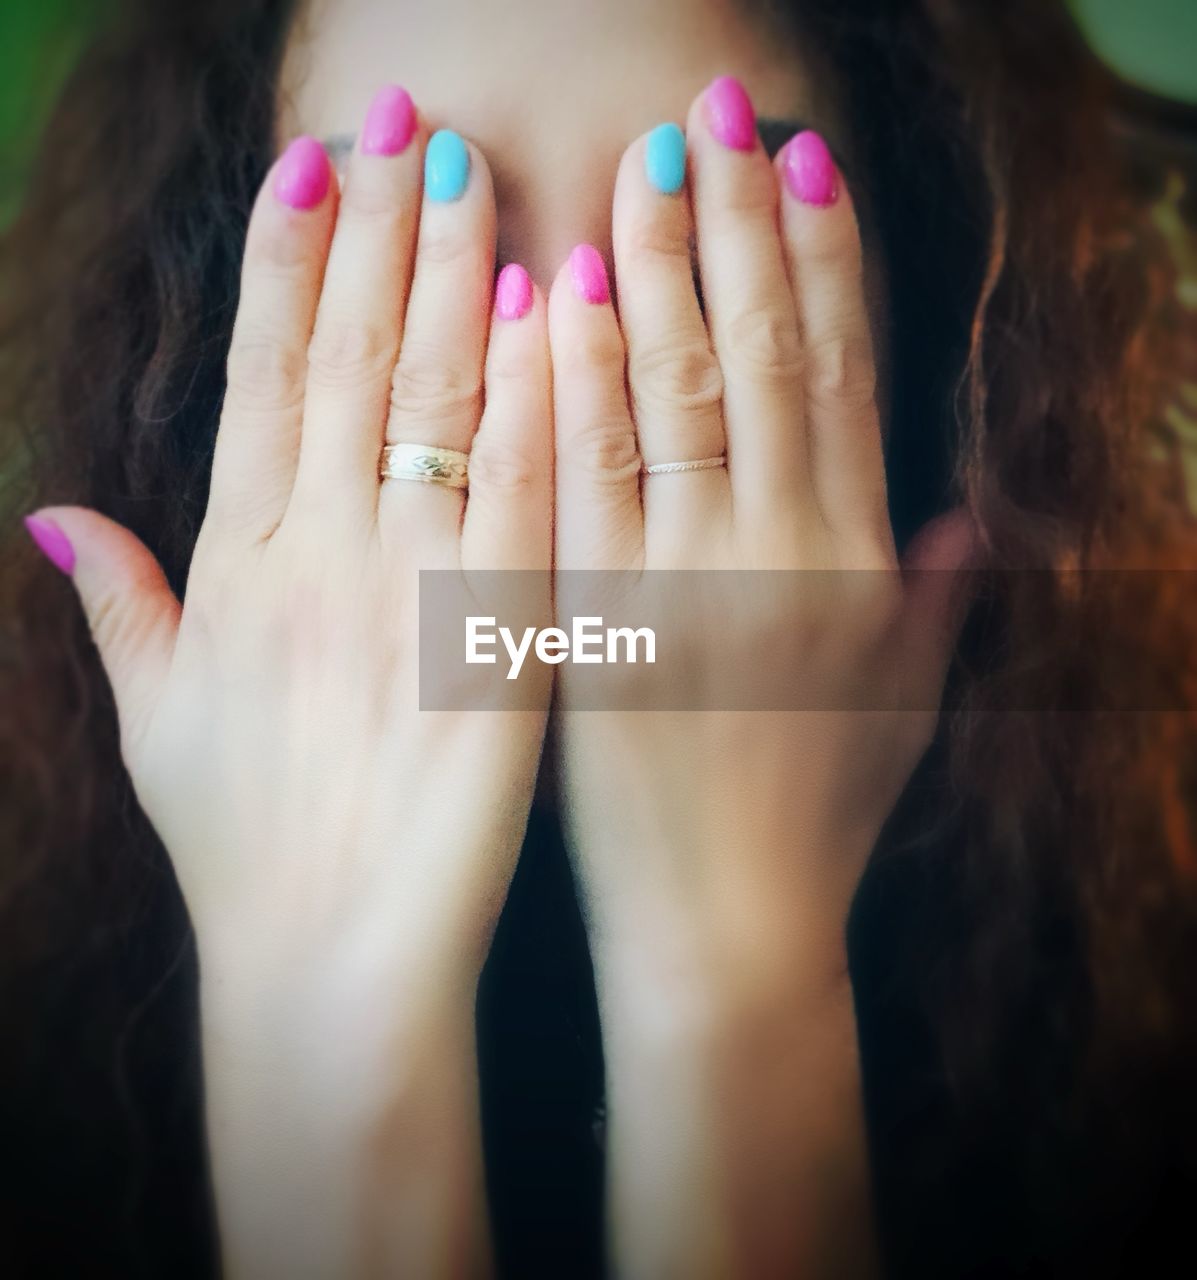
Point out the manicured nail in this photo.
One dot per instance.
(810, 171)
(665, 158)
(301, 178)
(390, 122)
(52, 542)
(513, 293)
(446, 166)
(730, 116)
(589, 273)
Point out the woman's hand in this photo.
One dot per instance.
(343, 855)
(718, 851)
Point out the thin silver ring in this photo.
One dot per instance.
(702, 464)
(427, 464)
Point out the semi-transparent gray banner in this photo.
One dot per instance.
(675, 640)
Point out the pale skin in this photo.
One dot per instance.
(343, 855)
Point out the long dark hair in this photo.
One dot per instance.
(1032, 918)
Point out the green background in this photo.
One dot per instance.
(38, 42)
(1150, 43)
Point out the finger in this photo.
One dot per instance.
(253, 468)
(823, 253)
(130, 608)
(359, 320)
(599, 521)
(750, 309)
(508, 516)
(436, 391)
(674, 379)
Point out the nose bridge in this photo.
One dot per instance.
(554, 191)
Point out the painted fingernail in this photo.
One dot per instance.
(810, 171)
(390, 122)
(730, 116)
(589, 273)
(513, 293)
(301, 178)
(52, 542)
(446, 166)
(665, 158)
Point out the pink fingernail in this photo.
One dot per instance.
(390, 122)
(810, 171)
(52, 542)
(730, 116)
(301, 176)
(589, 273)
(513, 293)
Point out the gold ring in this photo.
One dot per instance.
(703, 464)
(427, 464)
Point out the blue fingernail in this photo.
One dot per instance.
(446, 166)
(665, 158)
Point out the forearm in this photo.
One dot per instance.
(735, 1132)
(344, 1133)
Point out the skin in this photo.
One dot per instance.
(532, 86)
(343, 854)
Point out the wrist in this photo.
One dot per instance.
(703, 960)
(343, 1128)
(338, 1020)
(722, 1022)
(735, 1127)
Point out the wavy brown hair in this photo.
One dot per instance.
(1042, 934)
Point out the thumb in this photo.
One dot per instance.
(130, 608)
(940, 583)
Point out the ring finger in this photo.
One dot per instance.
(674, 379)
(436, 388)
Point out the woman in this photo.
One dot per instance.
(1016, 982)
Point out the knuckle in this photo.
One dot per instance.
(588, 348)
(684, 377)
(345, 351)
(496, 463)
(367, 203)
(105, 619)
(753, 197)
(655, 238)
(841, 372)
(766, 343)
(427, 384)
(446, 245)
(515, 367)
(836, 249)
(263, 373)
(277, 251)
(117, 625)
(606, 448)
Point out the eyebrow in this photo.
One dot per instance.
(774, 133)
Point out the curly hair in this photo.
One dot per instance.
(1033, 914)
